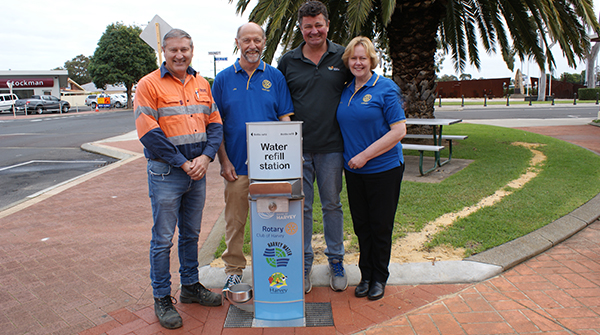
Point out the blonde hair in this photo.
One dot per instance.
(369, 48)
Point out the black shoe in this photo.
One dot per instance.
(362, 289)
(166, 313)
(376, 291)
(200, 294)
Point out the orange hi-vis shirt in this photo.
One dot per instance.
(176, 121)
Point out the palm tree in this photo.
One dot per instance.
(408, 31)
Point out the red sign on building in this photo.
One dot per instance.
(27, 82)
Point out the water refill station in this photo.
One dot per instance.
(276, 217)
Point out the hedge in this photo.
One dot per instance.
(588, 93)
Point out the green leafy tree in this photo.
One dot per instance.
(447, 77)
(78, 69)
(406, 30)
(121, 57)
(574, 78)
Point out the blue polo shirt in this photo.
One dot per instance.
(241, 97)
(365, 116)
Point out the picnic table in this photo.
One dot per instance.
(437, 137)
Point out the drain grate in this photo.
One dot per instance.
(317, 314)
(238, 318)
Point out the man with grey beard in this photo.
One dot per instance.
(248, 91)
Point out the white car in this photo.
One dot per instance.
(118, 100)
(7, 101)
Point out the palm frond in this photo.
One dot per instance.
(358, 11)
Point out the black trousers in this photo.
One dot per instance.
(373, 200)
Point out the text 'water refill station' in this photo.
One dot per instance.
(276, 216)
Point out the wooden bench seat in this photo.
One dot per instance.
(448, 138)
(421, 148)
(444, 137)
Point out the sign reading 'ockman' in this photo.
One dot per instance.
(27, 82)
(273, 149)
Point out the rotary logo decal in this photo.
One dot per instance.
(291, 228)
(367, 98)
(278, 280)
(266, 84)
(277, 254)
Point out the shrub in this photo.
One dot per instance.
(588, 93)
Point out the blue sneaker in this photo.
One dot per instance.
(230, 281)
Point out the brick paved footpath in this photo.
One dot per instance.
(75, 260)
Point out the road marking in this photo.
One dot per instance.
(50, 161)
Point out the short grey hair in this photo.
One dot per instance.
(264, 35)
(176, 33)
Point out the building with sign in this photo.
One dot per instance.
(27, 83)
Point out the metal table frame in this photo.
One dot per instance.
(436, 136)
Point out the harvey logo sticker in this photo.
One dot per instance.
(277, 280)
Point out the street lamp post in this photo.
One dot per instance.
(10, 88)
(214, 54)
(216, 59)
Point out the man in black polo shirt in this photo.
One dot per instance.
(315, 74)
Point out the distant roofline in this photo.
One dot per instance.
(35, 73)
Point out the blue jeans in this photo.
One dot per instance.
(176, 200)
(327, 169)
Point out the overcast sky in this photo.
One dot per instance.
(42, 35)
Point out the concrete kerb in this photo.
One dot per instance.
(473, 269)
(523, 248)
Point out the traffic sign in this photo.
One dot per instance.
(154, 32)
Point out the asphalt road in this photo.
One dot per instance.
(37, 153)
(558, 111)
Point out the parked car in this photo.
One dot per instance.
(92, 99)
(7, 101)
(42, 103)
(118, 100)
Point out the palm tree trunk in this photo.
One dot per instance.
(412, 35)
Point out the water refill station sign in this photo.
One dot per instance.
(276, 216)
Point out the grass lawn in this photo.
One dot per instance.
(567, 179)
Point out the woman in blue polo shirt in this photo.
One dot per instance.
(372, 122)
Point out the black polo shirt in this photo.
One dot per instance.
(316, 90)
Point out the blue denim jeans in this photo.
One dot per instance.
(327, 169)
(177, 200)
